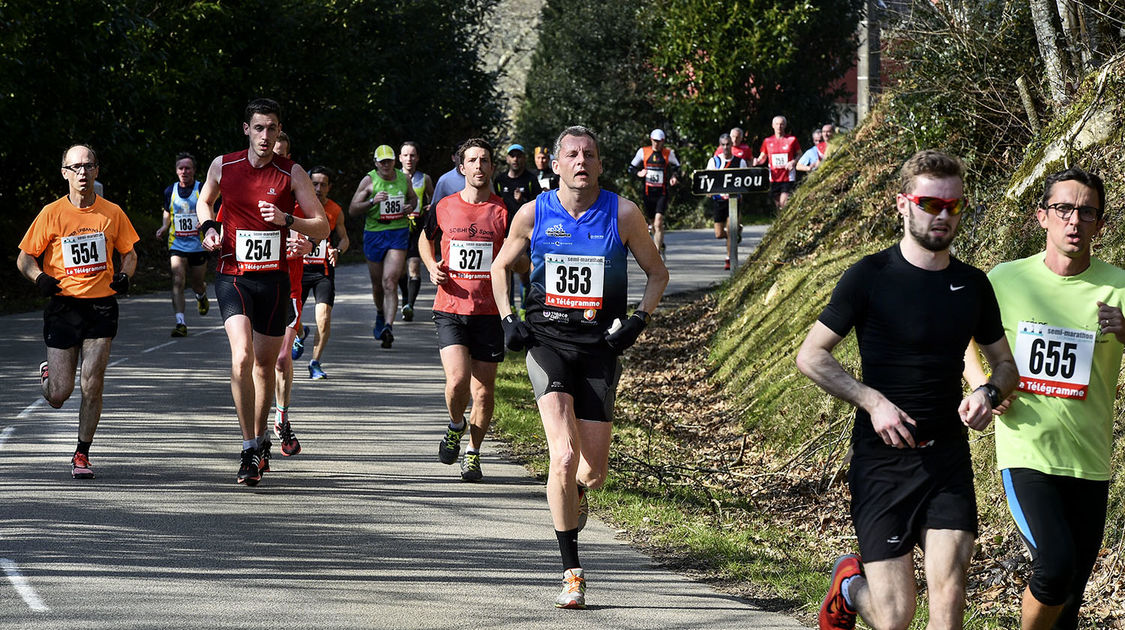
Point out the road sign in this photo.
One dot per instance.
(730, 181)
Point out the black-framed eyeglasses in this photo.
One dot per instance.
(1087, 214)
(78, 168)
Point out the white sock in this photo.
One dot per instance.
(249, 444)
(473, 451)
(180, 318)
(845, 587)
(457, 426)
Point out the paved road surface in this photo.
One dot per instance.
(364, 529)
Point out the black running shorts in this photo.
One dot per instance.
(720, 210)
(655, 204)
(783, 187)
(322, 287)
(415, 232)
(194, 259)
(590, 377)
(68, 321)
(898, 494)
(481, 334)
(263, 297)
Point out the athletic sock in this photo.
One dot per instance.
(845, 587)
(180, 319)
(282, 414)
(249, 444)
(457, 426)
(568, 547)
(200, 296)
(262, 439)
(84, 447)
(472, 451)
(413, 287)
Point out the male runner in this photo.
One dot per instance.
(259, 189)
(914, 308)
(76, 236)
(720, 204)
(320, 269)
(740, 149)
(781, 151)
(185, 251)
(1062, 316)
(660, 169)
(386, 197)
(411, 281)
(546, 177)
(811, 159)
(517, 186)
(468, 229)
(576, 325)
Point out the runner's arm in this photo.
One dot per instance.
(129, 262)
(411, 200)
(976, 410)
(975, 375)
(208, 194)
(519, 237)
(815, 361)
(343, 243)
(361, 200)
(166, 220)
(633, 230)
(314, 224)
(28, 265)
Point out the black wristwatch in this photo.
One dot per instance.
(644, 315)
(993, 393)
(288, 220)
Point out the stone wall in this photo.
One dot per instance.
(511, 41)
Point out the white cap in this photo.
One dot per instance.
(656, 134)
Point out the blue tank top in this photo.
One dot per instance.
(579, 277)
(183, 233)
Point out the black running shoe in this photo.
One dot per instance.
(450, 446)
(388, 337)
(289, 444)
(249, 471)
(264, 456)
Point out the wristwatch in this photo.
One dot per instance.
(993, 393)
(288, 220)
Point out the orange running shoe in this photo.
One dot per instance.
(834, 612)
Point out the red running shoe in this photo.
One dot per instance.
(289, 443)
(80, 466)
(834, 612)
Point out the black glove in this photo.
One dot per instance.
(48, 285)
(120, 283)
(517, 334)
(624, 333)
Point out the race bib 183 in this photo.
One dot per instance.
(186, 224)
(470, 259)
(574, 281)
(258, 250)
(1054, 361)
(84, 253)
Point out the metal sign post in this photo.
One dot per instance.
(733, 182)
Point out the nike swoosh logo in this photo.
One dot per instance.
(953, 288)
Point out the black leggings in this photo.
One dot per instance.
(1062, 521)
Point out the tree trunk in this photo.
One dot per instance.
(1045, 33)
(1072, 34)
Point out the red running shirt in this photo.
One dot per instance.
(471, 235)
(250, 244)
(780, 151)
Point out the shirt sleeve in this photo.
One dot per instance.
(846, 306)
(672, 159)
(430, 225)
(639, 158)
(126, 236)
(35, 241)
(990, 327)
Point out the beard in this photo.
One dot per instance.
(929, 241)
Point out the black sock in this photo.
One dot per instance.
(414, 286)
(84, 447)
(568, 547)
(402, 286)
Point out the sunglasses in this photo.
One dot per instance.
(934, 205)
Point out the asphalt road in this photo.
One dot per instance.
(363, 529)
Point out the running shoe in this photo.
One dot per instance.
(388, 337)
(726, 265)
(179, 331)
(80, 467)
(289, 444)
(249, 471)
(203, 304)
(299, 343)
(315, 372)
(573, 594)
(407, 313)
(380, 324)
(834, 612)
(264, 456)
(583, 507)
(470, 467)
(450, 446)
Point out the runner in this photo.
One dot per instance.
(320, 271)
(781, 151)
(914, 308)
(259, 190)
(76, 236)
(468, 228)
(1062, 315)
(517, 186)
(546, 177)
(720, 204)
(577, 326)
(810, 159)
(185, 251)
(386, 197)
(411, 282)
(295, 333)
(660, 168)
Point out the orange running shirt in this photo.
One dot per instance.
(471, 235)
(318, 259)
(76, 244)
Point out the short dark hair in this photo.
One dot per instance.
(1075, 174)
(264, 106)
(929, 163)
(86, 146)
(411, 143)
(473, 143)
(575, 130)
(184, 155)
(321, 170)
